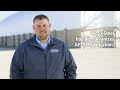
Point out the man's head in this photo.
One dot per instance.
(41, 26)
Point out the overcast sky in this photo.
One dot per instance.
(59, 20)
(4, 14)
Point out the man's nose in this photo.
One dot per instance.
(42, 28)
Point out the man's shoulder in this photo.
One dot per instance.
(56, 40)
(25, 43)
(59, 42)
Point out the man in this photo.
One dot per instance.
(42, 56)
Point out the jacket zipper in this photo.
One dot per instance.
(45, 65)
(45, 59)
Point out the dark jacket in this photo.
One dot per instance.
(30, 61)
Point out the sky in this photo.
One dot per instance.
(5, 14)
(70, 19)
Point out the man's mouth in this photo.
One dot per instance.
(42, 32)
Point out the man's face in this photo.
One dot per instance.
(42, 29)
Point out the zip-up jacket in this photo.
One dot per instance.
(31, 61)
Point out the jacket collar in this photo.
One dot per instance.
(34, 42)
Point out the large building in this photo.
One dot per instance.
(21, 22)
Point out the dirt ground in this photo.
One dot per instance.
(92, 63)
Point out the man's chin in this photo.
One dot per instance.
(42, 38)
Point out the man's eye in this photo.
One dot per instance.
(44, 25)
(38, 26)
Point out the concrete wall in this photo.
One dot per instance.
(53, 33)
(61, 36)
(16, 40)
(27, 36)
(67, 36)
(10, 41)
(21, 38)
(4, 41)
(1, 41)
(71, 34)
